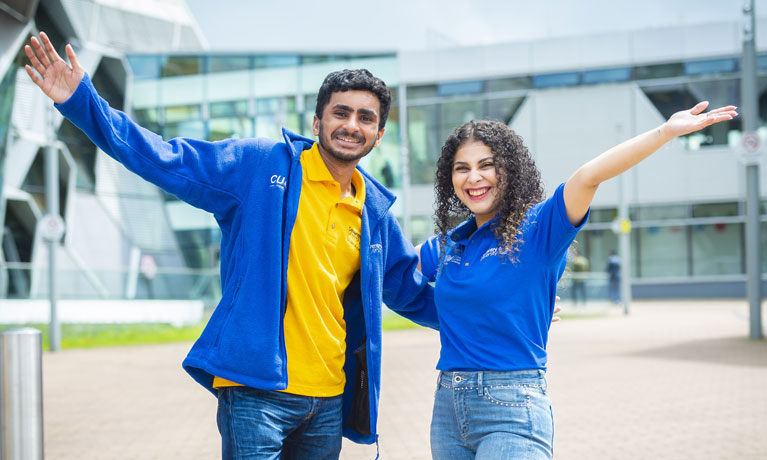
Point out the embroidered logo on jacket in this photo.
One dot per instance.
(376, 248)
(277, 181)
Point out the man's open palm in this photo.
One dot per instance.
(54, 76)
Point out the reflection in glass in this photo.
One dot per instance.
(231, 127)
(662, 251)
(194, 129)
(181, 65)
(717, 249)
(182, 113)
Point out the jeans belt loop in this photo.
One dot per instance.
(479, 383)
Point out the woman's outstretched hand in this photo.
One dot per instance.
(689, 121)
(54, 76)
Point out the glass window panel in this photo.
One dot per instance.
(421, 228)
(231, 127)
(715, 210)
(600, 243)
(606, 75)
(192, 129)
(710, 66)
(145, 67)
(454, 114)
(556, 79)
(181, 113)
(228, 63)
(384, 161)
(503, 109)
(461, 87)
(421, 91)
(761, 62)
(310, 103)
(662, 251)
(508, 84)
(763, 238)
(425, 143)
(228, 109)
(143, 116)
(276, 60)
(268, 105)
(603, 215)
(181, 65)
(646, 72)
(717, 249)
(268, 126)
(663, 212)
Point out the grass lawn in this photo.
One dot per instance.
(115, 335)
(112, 335)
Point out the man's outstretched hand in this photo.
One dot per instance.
(54, 76)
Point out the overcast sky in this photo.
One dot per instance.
(390, 25)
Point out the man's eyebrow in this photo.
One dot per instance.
(346, 108)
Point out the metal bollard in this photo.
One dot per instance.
(21, 394)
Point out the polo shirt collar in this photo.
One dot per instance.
(317, 171)
(467, 228)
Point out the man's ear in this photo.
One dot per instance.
(379, 137)
(316, 125)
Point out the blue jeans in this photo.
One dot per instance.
(492, 415)
(261, 424)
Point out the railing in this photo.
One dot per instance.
(26, 281)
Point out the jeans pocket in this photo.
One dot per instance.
(508, 395)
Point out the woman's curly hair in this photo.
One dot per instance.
(519, 182)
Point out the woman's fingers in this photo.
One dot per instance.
(699, 107)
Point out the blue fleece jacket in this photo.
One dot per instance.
(252, 187)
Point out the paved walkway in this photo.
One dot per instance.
(674, 380)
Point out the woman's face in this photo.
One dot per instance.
(475, 180)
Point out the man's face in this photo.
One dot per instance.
(348, 129)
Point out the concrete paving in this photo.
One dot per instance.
(673, 380)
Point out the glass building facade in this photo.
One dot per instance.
(215, 96)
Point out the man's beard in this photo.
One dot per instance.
(341, 156)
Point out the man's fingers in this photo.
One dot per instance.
(40, 53)
(49, 47)
(33, 59)
(72, 58)
(37, 80)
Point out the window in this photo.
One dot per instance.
(556, 79)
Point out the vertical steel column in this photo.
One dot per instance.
(21, 395)
(750, 117)
(52, 209)
(404, 148)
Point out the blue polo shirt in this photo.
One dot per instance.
(495, 314)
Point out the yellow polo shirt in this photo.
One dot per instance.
(324, 256)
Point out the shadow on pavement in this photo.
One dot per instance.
(735, 351)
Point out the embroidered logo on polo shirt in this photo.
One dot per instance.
(493, 252)
(353, 238)
(451, 259)
(376, 248)
(277, 181)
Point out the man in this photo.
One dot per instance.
(613, 270)
(309, 250)
(580, 268)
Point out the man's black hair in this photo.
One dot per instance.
(359, 80)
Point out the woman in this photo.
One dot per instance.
(496, 275)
